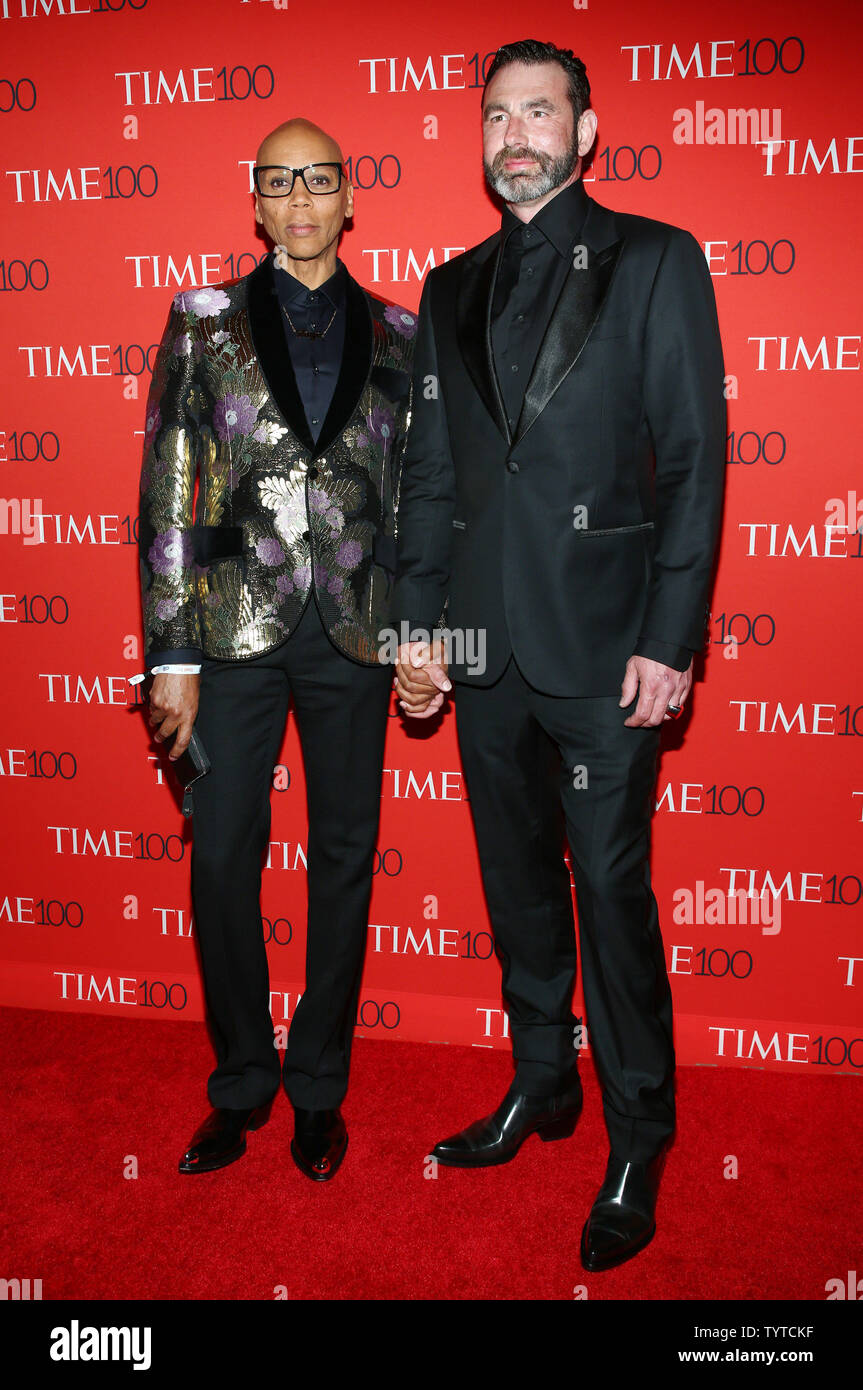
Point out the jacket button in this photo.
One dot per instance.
(512, 466)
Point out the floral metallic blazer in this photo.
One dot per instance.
(241, 514)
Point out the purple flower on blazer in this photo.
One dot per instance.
(379, 423)
(321, 505)
(349, 555)
(203, 303)
(402, 320)
(171, 551)
(233, 415)
(269, 551)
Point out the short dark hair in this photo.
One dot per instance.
(531, 51)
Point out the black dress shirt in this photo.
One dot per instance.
(536, 258)
(316, 361)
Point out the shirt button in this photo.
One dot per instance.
(512, 466)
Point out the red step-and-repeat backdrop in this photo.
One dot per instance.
(129, 128)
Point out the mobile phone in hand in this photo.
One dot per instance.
(194, 762)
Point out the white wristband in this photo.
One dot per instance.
(179, 669)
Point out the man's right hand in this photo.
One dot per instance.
(173, 706)
(421, 679)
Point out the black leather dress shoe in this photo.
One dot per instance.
(621, 1220)
(221, 1139)
(319, 1143)
(498, 1137)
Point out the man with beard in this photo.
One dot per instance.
(562, 489)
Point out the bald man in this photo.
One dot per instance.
(274, 438)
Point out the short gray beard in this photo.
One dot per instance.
(525, 188)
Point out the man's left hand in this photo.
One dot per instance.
(658, 687)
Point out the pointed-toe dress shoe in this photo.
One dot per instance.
(319, 1143)
(621, 1220)
(498, 1137)
(221, 1139)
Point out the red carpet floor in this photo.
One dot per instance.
(86, 1094)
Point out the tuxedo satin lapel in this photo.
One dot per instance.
(356, 365)
(474, 331)
(266, 322)
(569, 328)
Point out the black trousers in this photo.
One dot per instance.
(538, 766)
(341, 708)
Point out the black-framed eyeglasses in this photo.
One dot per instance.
(273, 181)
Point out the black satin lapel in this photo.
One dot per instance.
(268, 339)
(473, 331)
(575, 313)
(356, 365)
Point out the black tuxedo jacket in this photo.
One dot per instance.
(588, 534)
(242, 514)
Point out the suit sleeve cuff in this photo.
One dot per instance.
(668, 653)
(179, 656)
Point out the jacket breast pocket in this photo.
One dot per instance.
(617, 530)
(211, 543)
(611, 326)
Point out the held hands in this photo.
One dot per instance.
(173, 706)
(421, 678)
(660, 689)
